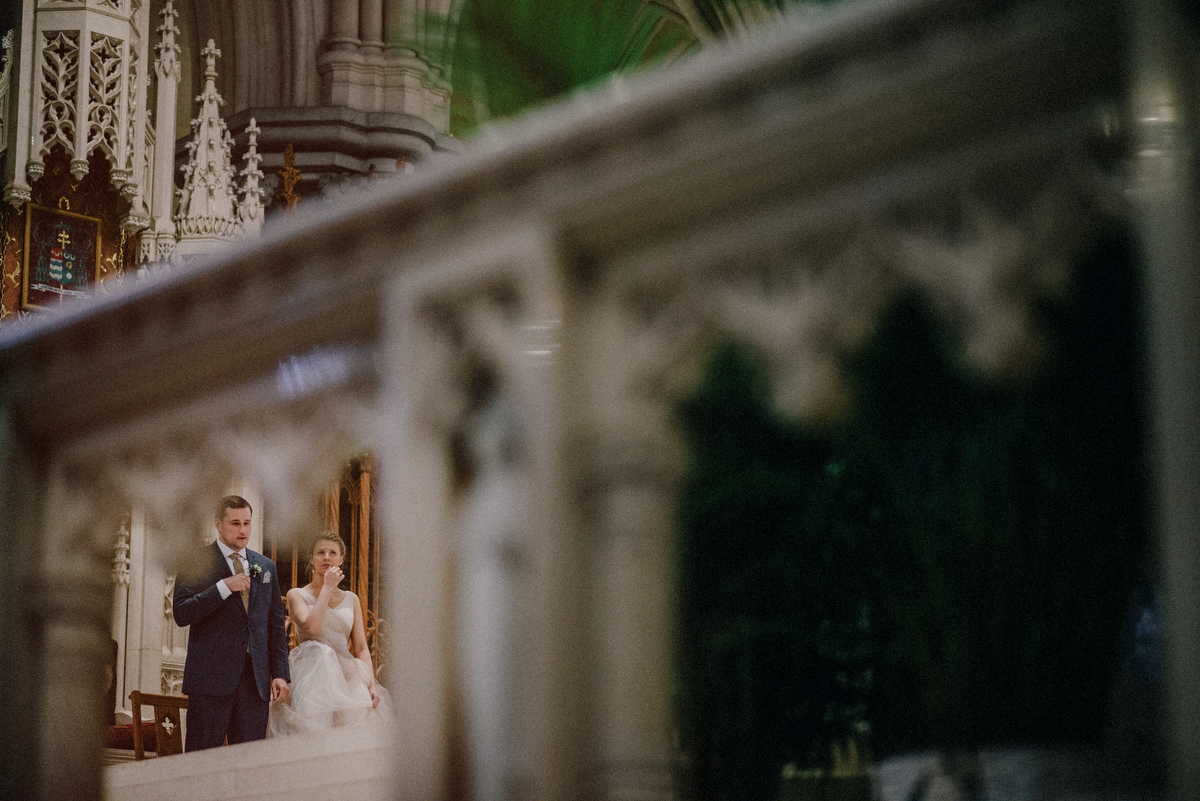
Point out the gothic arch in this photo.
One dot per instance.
(270, 48)
(257, 43)
(331, 80)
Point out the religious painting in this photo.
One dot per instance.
(62, 255)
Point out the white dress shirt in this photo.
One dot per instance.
(222, 587)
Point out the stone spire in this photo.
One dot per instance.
(250, 212)
(207, 203)
(158, 241)
(208, 214)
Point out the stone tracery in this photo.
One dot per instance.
(60, 75)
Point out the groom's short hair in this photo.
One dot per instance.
(232, 502)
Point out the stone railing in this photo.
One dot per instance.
(508, 335)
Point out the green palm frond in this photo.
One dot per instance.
(509, 55)
(726, 18)
(501, 57)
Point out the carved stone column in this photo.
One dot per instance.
(122, 595)
(344, 80)
(343, 25)
(17, 190)
(371, 26)
(158, 242)
(71, 602)
(627, 497)
(20, 538)
(482, 549)
(397, 21)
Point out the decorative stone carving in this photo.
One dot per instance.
(132, 223)
(166, 250)
(989, 253)
(89, 94)
(6, 54)
(107, 71)
(168, 592)
(158, 241)
(174, 469)
(167, 51)
(17, 196)
(490, 324)
(172, 678)
(134, 129)
(174, 638)
(483, 331)
(207, 203)
(60, 79)
(986, 251)
(478, 350)
(209, 215)
(250, 211)
(495, 563)
(120, 571)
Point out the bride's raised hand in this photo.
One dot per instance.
(333, 577)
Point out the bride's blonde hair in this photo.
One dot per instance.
(328, 536)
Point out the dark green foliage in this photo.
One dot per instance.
(777, 649)
(950, 569)
(1016, 516)
(510, 55)
(506, 56)
(720, 16)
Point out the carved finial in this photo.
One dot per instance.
(120, 562)
(250, 212)
(6, 45)
(168, 51)
(211, 54)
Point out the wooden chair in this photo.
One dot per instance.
(168, 728)
(289, 626)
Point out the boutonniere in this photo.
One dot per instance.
(255, 570)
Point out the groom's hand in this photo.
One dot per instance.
(279, 691)
(237, 582)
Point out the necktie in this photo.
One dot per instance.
(237, 568)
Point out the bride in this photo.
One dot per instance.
(333, 680)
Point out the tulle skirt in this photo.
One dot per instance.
(326, 691)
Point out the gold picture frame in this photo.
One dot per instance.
(62, 255)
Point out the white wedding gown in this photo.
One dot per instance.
(329, 686)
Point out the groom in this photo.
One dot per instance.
(237, 655)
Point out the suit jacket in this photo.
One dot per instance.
(220, 632)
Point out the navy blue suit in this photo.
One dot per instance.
(232, 654)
